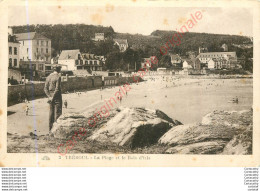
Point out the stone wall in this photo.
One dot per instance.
(32, 91)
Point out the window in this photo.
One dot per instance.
(37, 50)
(78, 56)
(15, 51)
(42, 43)
(40, 67)
(46, 50)
(95, 62)
(90, 62)
(37, 42)
(15, 62)
(47, 43)
(10, 62)
(10, 50)
(86, 62)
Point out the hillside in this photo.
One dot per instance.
(74, 36)
(65, 37)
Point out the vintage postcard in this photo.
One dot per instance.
(133, 83)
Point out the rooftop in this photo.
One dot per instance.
(121, 41)
(30, 36)
(233, 54)
(69, 54)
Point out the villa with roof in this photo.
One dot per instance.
(122, 44)
(75, 60)
(207, 56)
(34, 47)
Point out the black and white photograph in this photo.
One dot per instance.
(118, 79)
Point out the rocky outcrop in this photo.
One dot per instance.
(135, 127)
(70, 123)
(67, 125)
(219, 132)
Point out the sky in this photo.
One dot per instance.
(141, 20)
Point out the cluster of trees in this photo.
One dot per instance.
(67, 37)
(79, 36)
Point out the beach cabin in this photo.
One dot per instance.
(161, 70)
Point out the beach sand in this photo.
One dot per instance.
(183, 99)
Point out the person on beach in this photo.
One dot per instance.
(65, 104)
(27, 110)
(52, 89)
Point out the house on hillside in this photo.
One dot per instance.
(122, 44)
(192, 63)
(176, 60)
(224, 47)
(34, 47)
(70, 58)
(187, 64)
(148, 62)
(74, 60)
(206, 57)
(203, 49)
(91, 62)
(99, 37)
(221, 63)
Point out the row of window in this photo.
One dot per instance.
(42, 43)
(90, 62)
(11, 62)
(93, 68)
(11, 50)
(211, 55)
(47, 50)
(33, 66)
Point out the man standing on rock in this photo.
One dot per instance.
(52, 89)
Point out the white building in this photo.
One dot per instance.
(34, 47)
(122, 44)
(13, 52)
(206, 57)
(73, 60)
(99, 37)
(70, 59)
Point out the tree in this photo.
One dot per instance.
(165, 61)
(113, 61)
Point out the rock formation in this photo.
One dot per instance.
(135, 127)
(219, 132)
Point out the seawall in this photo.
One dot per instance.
(70, 84)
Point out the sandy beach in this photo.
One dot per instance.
(184, 99)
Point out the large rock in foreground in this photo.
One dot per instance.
(134, 127)
(221, 132)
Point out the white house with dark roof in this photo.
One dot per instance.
(75, 60)
(70, 59)
(206, 57)
(122, 44)
(34, 47)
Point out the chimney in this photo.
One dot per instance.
(10, 31)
